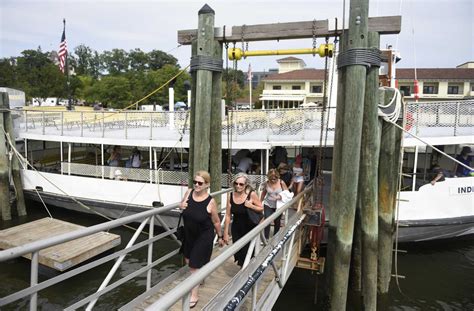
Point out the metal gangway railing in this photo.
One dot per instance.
(182, 292)
(449, 118)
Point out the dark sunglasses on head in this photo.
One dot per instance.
(239, 184)
(199, 183)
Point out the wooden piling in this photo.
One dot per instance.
(4, 182)
(202, 126)
(368, 187)
(15, 163)
(388, 177)
(336, 167)
(349, 148)
(216, 127)
(192, 119)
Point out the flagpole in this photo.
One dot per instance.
(68, 89)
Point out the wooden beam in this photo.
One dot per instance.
(384, 25)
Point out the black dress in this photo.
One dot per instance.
(241, 225)
(198, 232)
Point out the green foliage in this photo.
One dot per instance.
(116, 78)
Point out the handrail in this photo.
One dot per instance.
(170, 298)
(66, 237)
(35, 247)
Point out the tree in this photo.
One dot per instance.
(39, 76)
(8, 76)
(113, 91)
(87, 61)
(139, 60)
(157, 78)
(158, 59)
(115, 62)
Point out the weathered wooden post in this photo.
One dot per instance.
(368, 183)
(388, 181)
(206, 119)
(216, 124)
(192, 119)
(4, 182)
(336, 164)
(202, 117)
(343, 208)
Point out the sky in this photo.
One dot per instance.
(435, 33)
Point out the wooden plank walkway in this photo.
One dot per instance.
(212, 286)
(63, 256)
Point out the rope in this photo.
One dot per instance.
(397, 99)
(24, 160)
(426, 143)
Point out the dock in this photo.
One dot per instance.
(63, 256)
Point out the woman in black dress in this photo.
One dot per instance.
(200, 220)
(238, 201)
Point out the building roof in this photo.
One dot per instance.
(303, 74)
(289, 59)
(436, 73)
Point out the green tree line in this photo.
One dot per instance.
(115, 78)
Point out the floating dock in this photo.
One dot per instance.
(63, 256)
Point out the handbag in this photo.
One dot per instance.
(255, 217)
(180, 230)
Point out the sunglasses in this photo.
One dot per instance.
(239, 184)
(199, 183)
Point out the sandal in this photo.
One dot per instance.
(192, 304)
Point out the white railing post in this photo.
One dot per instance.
(43, 121)
(150, 253)
(34, 280)
(103, 124)
(126, 125)
(82, 123)
(62, 123)
(118, 263)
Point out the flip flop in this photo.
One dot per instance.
(192, 304)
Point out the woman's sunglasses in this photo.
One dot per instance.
(239, 184)
(199, 183)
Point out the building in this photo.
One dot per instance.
(437, 84)
(294, 85)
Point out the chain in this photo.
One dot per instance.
(319, 176)
(314, 37)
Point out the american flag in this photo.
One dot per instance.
(62, 53)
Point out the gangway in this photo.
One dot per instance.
(257, 285)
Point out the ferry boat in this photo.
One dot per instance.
(69, 152)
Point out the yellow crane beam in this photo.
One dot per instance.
(323, 50)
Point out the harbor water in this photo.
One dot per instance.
(438, 275)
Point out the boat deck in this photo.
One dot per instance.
(63, 256)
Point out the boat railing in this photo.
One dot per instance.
(453, 118)
(183, 291)
(162, 176)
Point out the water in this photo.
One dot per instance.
(439, 276)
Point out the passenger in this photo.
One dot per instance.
(270, 195)
(285, 173)
(242, 197)
(438, 174)
(245, 165)
(298, 175)
(465, 158)
(200, 221)
(135, 160)
(115, 156)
